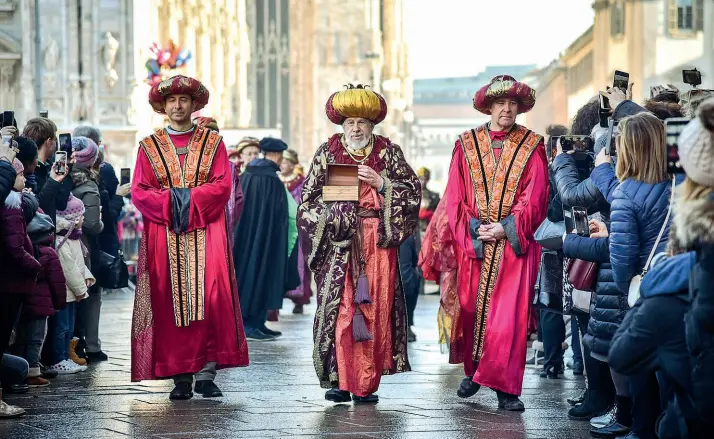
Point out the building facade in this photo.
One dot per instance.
(652, 40)
(86, 65)
(320, 46)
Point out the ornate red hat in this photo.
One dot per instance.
(177, 85)
(504, 86)
(356, 101)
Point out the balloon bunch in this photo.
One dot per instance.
(164, 60)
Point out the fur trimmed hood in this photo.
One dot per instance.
(694, 220)
(14, 200)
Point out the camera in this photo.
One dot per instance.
(692, 77)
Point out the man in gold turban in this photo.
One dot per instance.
(360, 329)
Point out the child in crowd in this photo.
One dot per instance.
(72, 254)
(50, 294)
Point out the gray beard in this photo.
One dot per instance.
(354, 145)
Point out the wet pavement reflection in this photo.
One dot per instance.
(278, 396)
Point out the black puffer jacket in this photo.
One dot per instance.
(609, 305)
(7, 180)
(574, 191)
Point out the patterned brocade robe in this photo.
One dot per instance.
(326, 232)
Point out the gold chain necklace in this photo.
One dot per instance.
(368, 150)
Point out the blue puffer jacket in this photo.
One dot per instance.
(638, 211)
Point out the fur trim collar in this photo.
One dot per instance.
(14, 200)
(694, 221)
(63, 224)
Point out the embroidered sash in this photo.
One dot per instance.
(495, 184)
(187, 251)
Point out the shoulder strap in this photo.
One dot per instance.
(661, 232)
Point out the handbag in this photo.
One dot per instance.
(575, 299)
(633, 293)
(550, 235)
(582, 274)
(113, 272)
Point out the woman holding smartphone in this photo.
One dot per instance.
(639, 208)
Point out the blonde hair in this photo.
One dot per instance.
(641, 154)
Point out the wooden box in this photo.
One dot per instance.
(342, 183)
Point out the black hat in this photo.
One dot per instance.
(270, 144)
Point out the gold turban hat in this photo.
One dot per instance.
(356, 101)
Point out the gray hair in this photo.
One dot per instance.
(89, 131)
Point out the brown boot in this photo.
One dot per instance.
(73, 354)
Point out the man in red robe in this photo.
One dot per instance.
(186, 315)
(360, 329)
(496, 198)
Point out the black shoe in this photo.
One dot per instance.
(337, 395)
(468, 388)
(578, 368)
(80, 350)
(182, 391)
(48, 374)
(299, 309)
(94, 357)
(369, 399)
(613, 429)
(207, 389)
(258, 335)
(17, 388)
(588, 409)
(509, 402)
(411, 336)
(267, 331)
(539, 356)
(552, 372)
(575, 400)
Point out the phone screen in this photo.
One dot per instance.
(673, 128)
(692, 77)
(65, 143)
(580, 218)
(621, 80)
(8, 117)
(44, 113)
(61, 162)
(577, 143)
(125, 176)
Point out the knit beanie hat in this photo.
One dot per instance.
(18, 166)
(696, 145)
(85, 151)
(600, 143)
(74, 210)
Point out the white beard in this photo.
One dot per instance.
(355, 145)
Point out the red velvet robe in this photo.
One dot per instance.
(159, 347)
(501, 362)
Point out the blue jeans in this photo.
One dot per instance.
(13, 370)
(64, 328)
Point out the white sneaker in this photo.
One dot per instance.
(604, 420)
(66, 367)
(79, 366)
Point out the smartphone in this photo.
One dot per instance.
(673, 127)
(604, 111)
(65, 143)
(44, 113)
(621, 80)
(125, 176)
(692, 77)
(8, 119)
(61, 162)
(580, 218)
(577, 144)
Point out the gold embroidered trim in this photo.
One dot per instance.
(186, 252)
(387, 209)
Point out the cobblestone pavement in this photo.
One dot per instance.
(278, 396)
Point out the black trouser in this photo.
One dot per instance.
(10, 305)
(600, 386)
(551, 329)
(575, 341)
(411, 306)
(646, 406)
(256, 321)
